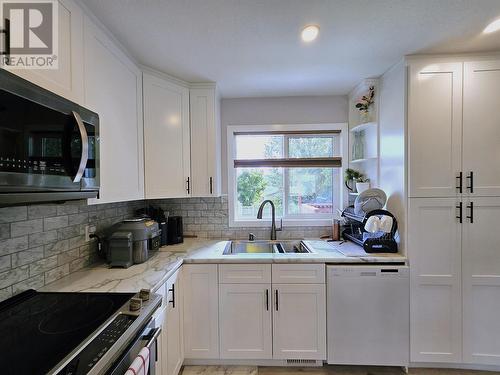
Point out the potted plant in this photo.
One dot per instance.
(352, 176)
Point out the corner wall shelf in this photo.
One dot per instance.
(363, 126)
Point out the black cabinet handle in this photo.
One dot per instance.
(188, 187)
(276, 300)
(459, 177)
(267, 299)
(470, 177)
(459, 217)
(172, 301)
(471, 207)
(211, 185)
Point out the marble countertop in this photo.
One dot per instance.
(153, 273)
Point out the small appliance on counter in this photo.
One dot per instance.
(160, 217)
(368, 225)
(175, 233)
(131, 242)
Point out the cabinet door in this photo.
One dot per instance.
(174, 338)
(166, 138)
(481, 128)
(434, 247)
(205, 142)
(113, 88)
(299, 321)
(434, 129)
(67, 80)
(201, 311)
(245, 321)
(161, 342)
(481, 282)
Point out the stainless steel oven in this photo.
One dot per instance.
(49, 146)
(146, 338)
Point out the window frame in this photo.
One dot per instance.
(292, 220)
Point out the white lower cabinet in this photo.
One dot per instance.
(435, 270)
(242, 315)
(173, 356)
(455, 280)
(299, 321)
(481, 281)
(170, 349)
(245, 321)
(201, 311)
(159, 318)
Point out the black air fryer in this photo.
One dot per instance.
(174, 230)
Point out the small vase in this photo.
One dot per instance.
(364, 116)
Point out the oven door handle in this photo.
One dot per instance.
(85, 147)
(152, 337)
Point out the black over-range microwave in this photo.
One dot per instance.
(49, 146)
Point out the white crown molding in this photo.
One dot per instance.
(451, 57)
(88, 13)
(165, 76)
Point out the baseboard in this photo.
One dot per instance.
(254, 362)
(459, 366)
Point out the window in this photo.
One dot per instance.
(298, 167)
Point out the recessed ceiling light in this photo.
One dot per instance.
(492, 27)
(309, 33)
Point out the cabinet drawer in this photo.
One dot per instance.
(298, 273)
(245, 273)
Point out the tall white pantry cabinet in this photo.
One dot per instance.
(453, 209)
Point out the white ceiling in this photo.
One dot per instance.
(253, 48)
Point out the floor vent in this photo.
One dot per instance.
(303, 362)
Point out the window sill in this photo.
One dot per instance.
(320, 222)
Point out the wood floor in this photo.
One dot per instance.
(325, 370)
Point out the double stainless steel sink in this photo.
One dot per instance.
(265, 247)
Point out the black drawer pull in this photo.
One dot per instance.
(172, 301)
(459, 187)
(471, 207)
(459, 217)
(470, 177)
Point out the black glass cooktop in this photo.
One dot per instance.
(37, 330)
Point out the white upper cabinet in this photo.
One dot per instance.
(481, 281)
(481, 128)
(205, 142)
(113, 89)
(434, 129)
(68, 79)
(166, 138)
(435, 259)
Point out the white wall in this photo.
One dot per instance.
(278, 110)
(392, 119)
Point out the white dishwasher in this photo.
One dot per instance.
(368, 315)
